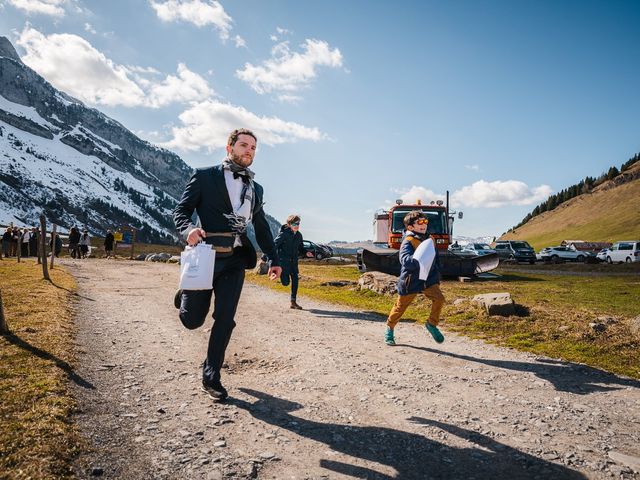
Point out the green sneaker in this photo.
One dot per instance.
(435, 333)
(388, 337)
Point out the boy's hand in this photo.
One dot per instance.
(274, 273)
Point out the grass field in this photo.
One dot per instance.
(37, 438)
(560, 308)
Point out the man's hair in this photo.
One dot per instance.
(411, 217)
(293, 219)
(233, 136)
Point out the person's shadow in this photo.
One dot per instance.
(61, 364)
(564, 376)
(412, 455)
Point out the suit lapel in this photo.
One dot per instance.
(221, 185)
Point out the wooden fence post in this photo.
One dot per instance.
(19, 249)
(43, 247)
(38, 254)
(53, 244)
(4, 328)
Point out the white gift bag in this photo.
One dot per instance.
(425, 254)
(196, 267)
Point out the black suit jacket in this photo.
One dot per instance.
(207, 195)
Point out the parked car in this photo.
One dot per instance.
(515, 251)
(318, 250)
(625, 251)
(561, 254)
(602, 255)
(478, 248)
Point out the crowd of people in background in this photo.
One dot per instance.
(23, 242)
(20, 241)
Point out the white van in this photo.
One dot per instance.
(626, 251)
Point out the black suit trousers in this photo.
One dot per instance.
(228, 278)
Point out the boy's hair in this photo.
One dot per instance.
(233, 136)
(293, 219)
(411, 217)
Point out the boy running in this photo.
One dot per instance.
(409, 284)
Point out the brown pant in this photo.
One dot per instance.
(402, 303)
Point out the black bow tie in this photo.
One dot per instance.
(243, 176)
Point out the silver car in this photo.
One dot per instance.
(478, 249)
(561, 254)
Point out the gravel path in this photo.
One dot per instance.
(317, 394)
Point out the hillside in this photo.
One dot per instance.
(608, 214)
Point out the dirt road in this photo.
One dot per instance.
(317, 394)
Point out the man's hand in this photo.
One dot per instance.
(274, 273)
(195, 235)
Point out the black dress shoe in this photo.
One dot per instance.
(215, 390)
(177, 299)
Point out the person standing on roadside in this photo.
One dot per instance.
(6, 241)
(74, 242)
(33, 242)
(226, 199)
(289, 246)
(85, 244)
(108, 244)
(24, 242)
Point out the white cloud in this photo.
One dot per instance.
(89, 28)
(55, 8)
(475, 168)
(416, 193)
(288, 71)
(499, 194)
(71, 64)
(288, 98)
(481, 194)
(198, 12)
(185, 87)
(206, 125)
(239, 41)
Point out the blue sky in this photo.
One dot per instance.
(358, 103)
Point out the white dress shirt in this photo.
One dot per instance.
(234, 187)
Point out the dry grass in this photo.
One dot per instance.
(37, 438)
(560, 308)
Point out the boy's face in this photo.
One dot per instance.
(419, 226)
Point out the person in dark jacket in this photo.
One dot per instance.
(409, 283)
(58, 247)
(108, 244)
(6, 241)
(74, 242)
(289, 246)
(226, 199)
(33, 242)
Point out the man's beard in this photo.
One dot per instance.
(237, 159)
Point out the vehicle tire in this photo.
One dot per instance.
(609, 260)
(319, 256)
(555, 259)
(628, 260)
(580, 258)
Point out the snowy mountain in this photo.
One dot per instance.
(465, 240)
(78, 166)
